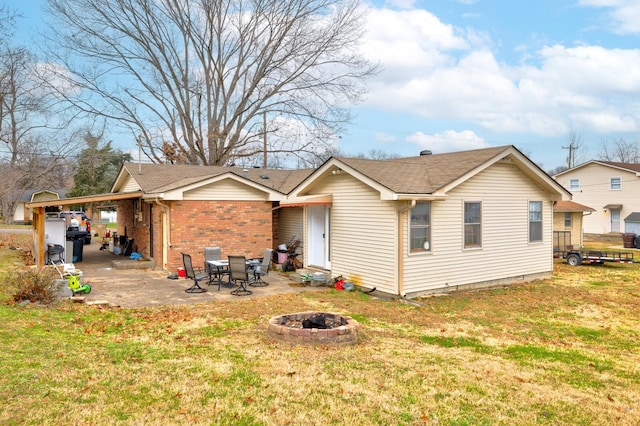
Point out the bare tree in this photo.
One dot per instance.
(204, 76)
(620, 150)
(32, 147)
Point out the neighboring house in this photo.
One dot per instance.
(23, 214)
(405, 226)
(567, 225)
(612, 189)
(443, 222)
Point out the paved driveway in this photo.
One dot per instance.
(137, 288)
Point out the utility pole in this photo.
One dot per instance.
(570, 159)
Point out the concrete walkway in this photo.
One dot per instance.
(129, 286)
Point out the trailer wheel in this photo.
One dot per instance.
(573, 260)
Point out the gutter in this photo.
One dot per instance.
(401, 212)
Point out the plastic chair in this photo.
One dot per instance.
(214, 273)
(262, 269)
(191, 273)
(238, 272)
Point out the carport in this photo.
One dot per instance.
(38, 209)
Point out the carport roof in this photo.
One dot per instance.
(86, 199)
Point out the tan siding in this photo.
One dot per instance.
(227, 189)
(363, 234)
(575, 228)
(290, 224)
(505, 193)
(130, 185)
(595, 192)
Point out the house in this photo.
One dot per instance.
(567, 225)
(406, 226)
(184, 208)
(611, 188)
(430, 223)
(22, 214)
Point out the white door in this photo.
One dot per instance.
(615, 220)
(319, 236)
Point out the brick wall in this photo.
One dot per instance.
(237, 227)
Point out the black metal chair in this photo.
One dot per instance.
(55, 254)
(192, 274)
(262, 269)
(214, 273)
(239, 275)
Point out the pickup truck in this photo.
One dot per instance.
(80, 232)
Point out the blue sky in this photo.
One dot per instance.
(465, 74)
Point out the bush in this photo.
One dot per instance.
(34, 285)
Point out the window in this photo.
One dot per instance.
(535, 221)
(472, 224)
(420, 227)
(568, 222)
(616, 183)
(574, 185)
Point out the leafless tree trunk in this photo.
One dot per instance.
(199, 75)
(621, 151)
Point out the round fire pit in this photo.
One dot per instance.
(314, 328)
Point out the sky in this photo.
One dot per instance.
(467, 74)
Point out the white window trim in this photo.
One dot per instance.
(422, 252)
(610, 183)
(541, 240)
(577, 188)
(480, 246)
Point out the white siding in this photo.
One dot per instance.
(363, 234)
(290, 224)
(506, 253)
(595, 192)
(227, 189)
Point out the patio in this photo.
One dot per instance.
(129, 286)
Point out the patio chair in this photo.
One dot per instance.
(239, 275)
(192, 274)
(214, 273)
(262, 269)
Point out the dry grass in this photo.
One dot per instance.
(562, 351)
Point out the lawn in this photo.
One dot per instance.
(559, 351)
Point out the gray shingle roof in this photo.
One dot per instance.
(164, 177)
(424, 174)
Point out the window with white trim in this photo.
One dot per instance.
(574, 185)
(472, 224)
(615, 183)
(535, 221)
(420, 227)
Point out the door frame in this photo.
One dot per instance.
(318, 229)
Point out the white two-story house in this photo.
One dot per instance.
(612, 189)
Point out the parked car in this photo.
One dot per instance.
(83, 230)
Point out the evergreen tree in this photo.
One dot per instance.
(97, 168)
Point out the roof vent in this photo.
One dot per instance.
(245, 173)
(425, 152)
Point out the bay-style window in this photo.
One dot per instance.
(472, 224)
(420, 227)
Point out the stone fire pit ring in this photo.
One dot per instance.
(306, 328)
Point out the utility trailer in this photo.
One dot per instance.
(575, 257)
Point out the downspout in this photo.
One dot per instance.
(401, 213)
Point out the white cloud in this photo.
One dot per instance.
(448, 141)
(436, 71)
(624, 14)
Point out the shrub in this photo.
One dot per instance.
(35, 285)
